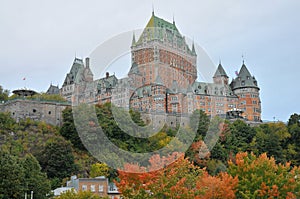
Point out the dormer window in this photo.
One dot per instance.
(243, 83)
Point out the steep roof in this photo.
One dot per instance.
(244, 79)
(107, 82)
(154, 30)
(220, 71)
(52, 90)
(162, 30)
(76, 71)
(202, 88)
(156, 22)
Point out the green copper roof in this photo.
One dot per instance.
(160, 30)
(244, 79)
(156, 22)
(76, 71)
(202, 88)
(220, 71)
(155, 30)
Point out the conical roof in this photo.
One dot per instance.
(220, 72)
(244, 79)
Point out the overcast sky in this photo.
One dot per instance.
(39, 39)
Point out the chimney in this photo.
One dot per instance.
(107, 74)
(87, 62)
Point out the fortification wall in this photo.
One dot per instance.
(47, 111)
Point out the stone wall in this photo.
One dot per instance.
(47, 111)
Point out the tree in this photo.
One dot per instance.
(12, 183)
(57, 160)
(294, 119)
(261, 177)
(200, 121)
(68, 129)
(3, 94)
(271, 139)
(6, 122)
(99, 169)
(242, 136)
(181, 179)
(36, 181)
(293, 144)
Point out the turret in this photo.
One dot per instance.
(246, 88)
(220, 76)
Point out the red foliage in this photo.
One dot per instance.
(181, 179)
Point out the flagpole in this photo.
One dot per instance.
(24, 79)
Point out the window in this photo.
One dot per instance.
(34, 110)
(93, 188)
(49, 112)
(84, 187)
(101, 188)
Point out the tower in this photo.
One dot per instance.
(246, 88)
(162, 46)
(79, 74)
(220, 76)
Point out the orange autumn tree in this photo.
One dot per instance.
(180, 179)
(261, 177)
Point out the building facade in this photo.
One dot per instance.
(163, 80)
(99, 186)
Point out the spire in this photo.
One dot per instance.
(133, 39)
(152, 9)
(243, 59)
(173, 19)
(220, 71)
(193, 48)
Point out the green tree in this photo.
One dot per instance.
(293, 144)
(3, 94)
(271, 139)
(99, 169)
(12, 183)
(57, 160)
(200, 121)
(294, 119)
(68, 129)
(36, 181)
(6, 122)
(261, 177)
(242, 136)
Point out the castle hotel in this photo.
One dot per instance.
(162, 79)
